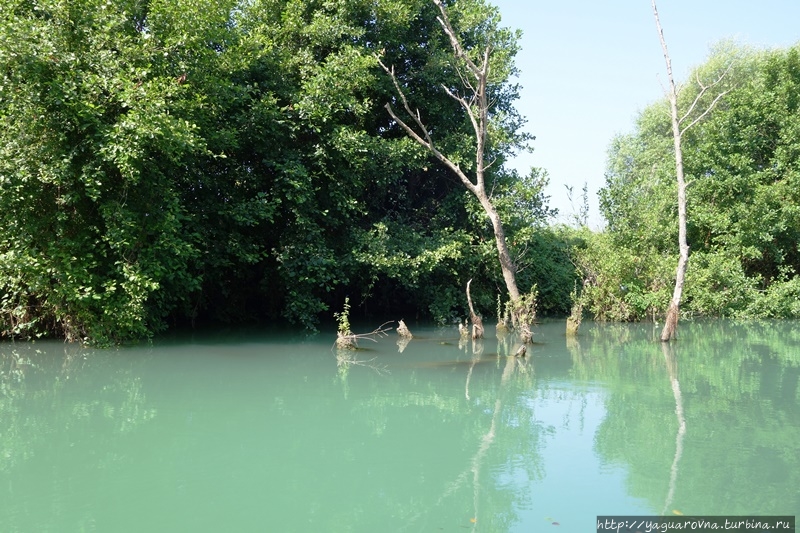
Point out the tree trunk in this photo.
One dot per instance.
(671, 322)
(522, 309)
(506, 264)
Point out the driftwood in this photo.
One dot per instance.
(477, 322)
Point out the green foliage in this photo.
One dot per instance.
(545, 263)
(619, 284)
(343, 319)
(91, 223)
(780, 300)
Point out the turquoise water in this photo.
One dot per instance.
(267, 432)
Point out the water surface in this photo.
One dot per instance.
(264, 432)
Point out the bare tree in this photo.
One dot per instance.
(671, 322)
(476, 106)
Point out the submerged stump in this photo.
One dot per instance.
(502, 328)
(463, 330)
(403, 330)
(477, 321)
(572, 326)
(346, 342)
(576, 315)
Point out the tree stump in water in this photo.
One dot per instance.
(502, 328)
(575, 318)
(403, 331)
(346, 342)
(525, 334)
(477, 327)
(671, 323)
(477, 322)
(572, 326)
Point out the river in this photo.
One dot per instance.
(250, 431)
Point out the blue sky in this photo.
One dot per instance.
(589, 66)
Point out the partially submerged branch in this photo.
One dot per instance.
(350, 341)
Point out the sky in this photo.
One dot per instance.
(588, 67)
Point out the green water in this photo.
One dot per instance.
(256, 432)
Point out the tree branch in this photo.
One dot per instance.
(467, 107)
(710, 107)
(427, 141)
(703, 89)
(444, 21)
(481, 73)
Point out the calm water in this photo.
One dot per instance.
(248, 432)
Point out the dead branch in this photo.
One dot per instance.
(351, 340)
(673, 90)
(478, 98)
(703, 89)
(380, 331)
(425, 139)
(444, 21)
(704, 113)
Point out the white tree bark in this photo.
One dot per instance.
(671, 322)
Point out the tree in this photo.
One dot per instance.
(671, 322)
(742, 168)
(475, 68)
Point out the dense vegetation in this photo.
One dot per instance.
(742, 164)
(170, 162)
